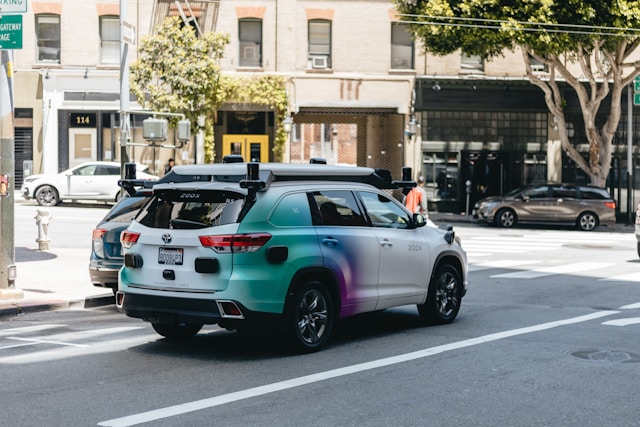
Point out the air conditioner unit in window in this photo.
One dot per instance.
(319, 62)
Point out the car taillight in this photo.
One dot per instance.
(611, 205)
(235, 243)
(128, 238)
(98, 246)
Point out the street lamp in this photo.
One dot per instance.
(412, 128)
(287, 125)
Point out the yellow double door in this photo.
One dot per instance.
(252, 148)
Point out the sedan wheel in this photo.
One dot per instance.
(47, 196)
(444, 298)
(587, 221)
(506, 218)
(311, 317)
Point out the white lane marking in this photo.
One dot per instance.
(557, 269)
(504, 263)
(347, 370)
(623, 322)
(16, 345)
(630, 306)
(34, 328)
(39, 341)
(631, 277)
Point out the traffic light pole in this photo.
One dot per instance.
(7, 171)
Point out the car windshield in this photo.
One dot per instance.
(189, 209)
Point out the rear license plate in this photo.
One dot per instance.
(170, 256)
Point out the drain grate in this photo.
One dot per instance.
(611, 356)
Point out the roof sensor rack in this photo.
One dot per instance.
(253, 181)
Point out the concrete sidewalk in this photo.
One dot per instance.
(54, 279)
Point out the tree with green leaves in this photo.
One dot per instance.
(177, 71)
(586, 44)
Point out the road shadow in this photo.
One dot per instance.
(268, 343)
(26, 255)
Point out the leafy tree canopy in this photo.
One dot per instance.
(177, 71)
(589, 44)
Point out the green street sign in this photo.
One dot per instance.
(636, 84)
(10, 31)
(636, 99)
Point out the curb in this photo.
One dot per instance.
(27, 307)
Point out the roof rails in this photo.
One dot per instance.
(260, 175)
(259, 178)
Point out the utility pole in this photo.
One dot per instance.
(125, 127)
(7, 180)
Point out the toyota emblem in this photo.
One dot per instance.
(166, 238)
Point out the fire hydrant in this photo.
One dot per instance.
(42, 220)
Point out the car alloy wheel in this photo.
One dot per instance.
(312, 317)
(47, 196)
(443, 301)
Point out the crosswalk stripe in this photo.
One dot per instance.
(24, 329)
(631, 277)
(557, 269)
(502, 263)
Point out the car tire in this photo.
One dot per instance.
(444, 297)
(638, 249)
(587, 221)
(47, 196)
(311, 317)
(176, 332)
(506, 218)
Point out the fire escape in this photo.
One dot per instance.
(202, 15)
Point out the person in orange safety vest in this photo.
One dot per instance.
(416, 199)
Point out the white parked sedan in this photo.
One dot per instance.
(88, 181)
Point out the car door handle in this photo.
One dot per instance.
(329, 241)
(386, 243)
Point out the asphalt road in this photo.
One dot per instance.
(547, 335)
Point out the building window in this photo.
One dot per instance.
(538, 66)
(471, 64)
(48, 37)
(512, 129)
(250, 38)
(401, 47)
(320, 43)
(109, 40)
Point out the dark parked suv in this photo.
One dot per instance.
(584, 206)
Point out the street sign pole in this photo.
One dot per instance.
(125, 129)
(7, 181)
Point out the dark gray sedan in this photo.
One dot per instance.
(586, 207)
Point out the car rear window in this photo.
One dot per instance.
(594, 193)
(126, 209)
(189, 209)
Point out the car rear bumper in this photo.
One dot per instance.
(104, 276)
(174, 310)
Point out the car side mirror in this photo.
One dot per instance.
(419, 220)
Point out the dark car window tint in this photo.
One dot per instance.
(338, 207)
(539, 192)
(292, 211)
(383, 211)
(126, 209)
(591, 193)
(564, 192)
(191, 209)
